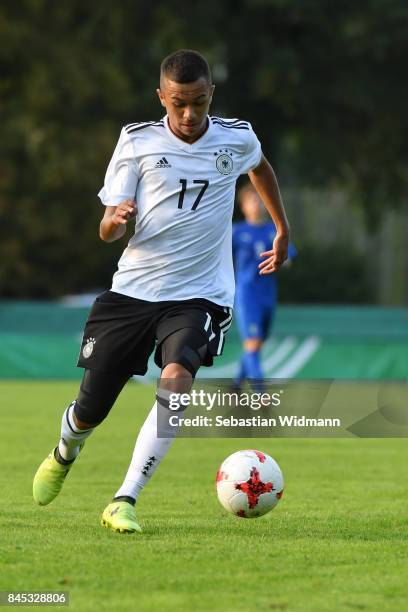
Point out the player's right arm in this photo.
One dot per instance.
(119, 189)
(115, 219)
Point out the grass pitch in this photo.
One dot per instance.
(338, 539)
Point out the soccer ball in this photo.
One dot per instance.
(249, 483)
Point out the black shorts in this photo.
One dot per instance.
(121, 332)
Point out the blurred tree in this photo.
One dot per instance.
(326, 275)
(323, 83)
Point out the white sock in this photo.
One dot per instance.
(149, 449)
(71, 435)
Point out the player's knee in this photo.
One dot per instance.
(176, 379)
(183, 353)
(176, 371)
(253, 344)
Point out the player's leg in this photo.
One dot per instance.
(152, 444)
(250, 317)
(182, 353)
(241, 375)
(184, 342)
(262, 316)
(97, 394)
(252, 359)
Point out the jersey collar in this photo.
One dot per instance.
(185, 146)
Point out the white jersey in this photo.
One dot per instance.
(181, 248)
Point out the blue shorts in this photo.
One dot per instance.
(254, 318)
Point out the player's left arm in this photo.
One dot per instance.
(264, 180)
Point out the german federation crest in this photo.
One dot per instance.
(224, 163)
(88, 348)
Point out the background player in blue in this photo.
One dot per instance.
(256, 294)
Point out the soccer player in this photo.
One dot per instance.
(174, 288)
(256, 295)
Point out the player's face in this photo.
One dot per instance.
(187, 106)
(252, 208)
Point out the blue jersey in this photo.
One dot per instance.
(248, 241)
(256, 294)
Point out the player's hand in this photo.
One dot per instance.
(125, 211)
(276, 257)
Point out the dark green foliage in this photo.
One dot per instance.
(326, 275)
(323, 84)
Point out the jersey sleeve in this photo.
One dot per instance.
(253, 153)
(122, 175)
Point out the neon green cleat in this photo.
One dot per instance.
(49, 479)
(120, 516)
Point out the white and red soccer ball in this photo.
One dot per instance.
(249, 483)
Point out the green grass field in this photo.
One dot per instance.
(338, 540)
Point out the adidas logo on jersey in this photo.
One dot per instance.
(163, 163)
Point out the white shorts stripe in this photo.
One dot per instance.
(208, 325)
(221, 342)
(226, 324)
(208, 321)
